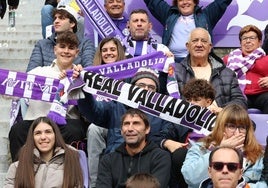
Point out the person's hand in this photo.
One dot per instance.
(173, 145)
(214, 109)
(263, 82)
(169, 54)
(62, 74)
(76, 70)
(81, 13)
(235, 141)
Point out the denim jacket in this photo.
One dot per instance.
(168, 15)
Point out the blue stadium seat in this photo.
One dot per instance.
(261, 132)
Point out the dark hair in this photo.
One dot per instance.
(142, 180)
(66, 14)
(238, 152)
(175, 2)
(134, 111)
(120, 49)
(67, 37)
(249, 28)
(72, 176)
(142, 11)
(195, 88)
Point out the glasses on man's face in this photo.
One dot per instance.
(232, 127)
(218, 166)
(149, 86)
(251, 38)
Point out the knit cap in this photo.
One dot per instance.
(146, 72)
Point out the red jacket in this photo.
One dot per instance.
(258, 70)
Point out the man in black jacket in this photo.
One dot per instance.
(135, 155)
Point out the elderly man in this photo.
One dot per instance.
(115, 10)
(201, 63)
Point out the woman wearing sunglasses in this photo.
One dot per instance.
(233, 128)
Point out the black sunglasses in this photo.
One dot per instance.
(232, 167)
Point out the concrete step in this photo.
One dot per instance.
(23, 53)
(19, 65)
(16, 47)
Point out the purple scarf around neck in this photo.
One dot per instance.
(241, 64)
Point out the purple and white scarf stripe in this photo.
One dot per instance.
(241, 64)
(35, 87)
(99, 19)
(27, 85)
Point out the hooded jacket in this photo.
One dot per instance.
(116, 167)
(223, 80)
(43, 53)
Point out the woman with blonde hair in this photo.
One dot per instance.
(233, 128)
(45, 160)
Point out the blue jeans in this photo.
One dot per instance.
(96, 143)
(46, 18)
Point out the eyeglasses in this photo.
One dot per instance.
(251, 38)
(218, 166)
(233, 127)
(149, 86)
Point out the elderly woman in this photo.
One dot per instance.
(233, 128)
(250, 64)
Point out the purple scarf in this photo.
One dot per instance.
(35, 87)
(99, 19)
(241, 64)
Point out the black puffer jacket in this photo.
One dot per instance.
(222, 79)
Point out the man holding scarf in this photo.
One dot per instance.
(66, 50)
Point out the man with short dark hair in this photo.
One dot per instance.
(136, 154)
(65, 19)
(225, 169)
(139, 41)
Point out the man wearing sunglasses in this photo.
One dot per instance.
(225, 169)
